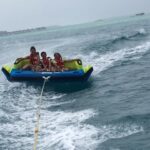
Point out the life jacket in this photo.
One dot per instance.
(59, 60)
(46, 62)
(60, 63)
(34, 59)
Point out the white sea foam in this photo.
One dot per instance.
(142, 31)
(62, 130)
(114, 149)
(104, 61)
(118, 131)
(2, 89)
(58, 96)
(66, 130)
(60, 103)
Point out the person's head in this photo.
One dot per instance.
(57, 56)
(32, 50)
(43, 54)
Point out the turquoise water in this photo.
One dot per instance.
(109, 112)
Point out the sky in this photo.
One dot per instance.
(24, 14)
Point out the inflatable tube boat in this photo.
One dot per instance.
(76, 72)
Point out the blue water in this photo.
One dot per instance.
(109, 112)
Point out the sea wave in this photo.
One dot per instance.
(138, 33)
(104, 43)
(62, 130)
(107, 60)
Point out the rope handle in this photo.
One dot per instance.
(46, 78)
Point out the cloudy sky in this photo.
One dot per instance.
(22, 14)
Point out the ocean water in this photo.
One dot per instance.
(109, 112)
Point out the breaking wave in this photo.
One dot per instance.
(104, 61)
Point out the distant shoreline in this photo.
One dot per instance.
(3, 33)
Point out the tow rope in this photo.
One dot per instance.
(36, 130)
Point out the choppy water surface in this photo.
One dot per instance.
(110, 112)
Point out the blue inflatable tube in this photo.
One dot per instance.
(24, 75)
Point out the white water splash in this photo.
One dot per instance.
(104, 61)
(58, 96)
(61, 130)
(142, 31)
(68, 131)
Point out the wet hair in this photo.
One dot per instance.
(57, 55)
(42, 53)
(32, 48)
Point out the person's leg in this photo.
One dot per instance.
(27, 67)
(37, 68)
